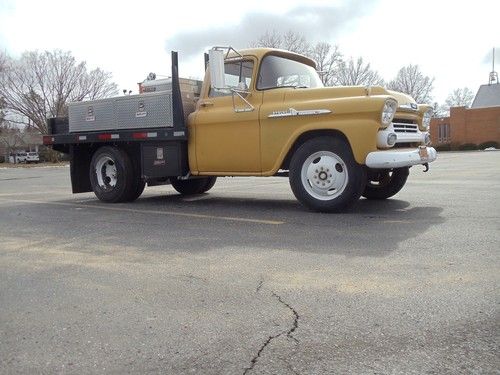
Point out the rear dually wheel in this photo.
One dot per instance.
(112, 175)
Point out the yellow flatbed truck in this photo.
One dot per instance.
(259, 112)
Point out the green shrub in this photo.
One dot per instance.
(467, 147)
(2, 159)
(484, 145)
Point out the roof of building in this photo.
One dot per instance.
(487, 96)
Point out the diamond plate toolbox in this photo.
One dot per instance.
(152, 110)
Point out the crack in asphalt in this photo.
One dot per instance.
(259, 286)
(288, 332)
(295, 320)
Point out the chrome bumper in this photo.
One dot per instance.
(398, 158)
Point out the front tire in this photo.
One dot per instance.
(194, 186)
(324, 175)
(384, 184)
(112, 175)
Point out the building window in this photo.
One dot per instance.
(444, 133)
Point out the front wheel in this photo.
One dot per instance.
(385, 183)
(194, 186)
(324, 175)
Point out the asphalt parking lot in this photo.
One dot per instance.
(243, 280)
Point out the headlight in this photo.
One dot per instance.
(388, 111)
(426, 121)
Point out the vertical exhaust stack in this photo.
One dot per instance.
(177, 107)
(179, 120)
(206, 60)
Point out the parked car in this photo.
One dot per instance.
(32, 157)
(18, 157)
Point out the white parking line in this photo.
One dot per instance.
(154, 212)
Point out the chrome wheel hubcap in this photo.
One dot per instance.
(106, 173)
(324, 175)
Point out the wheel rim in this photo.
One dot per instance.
(324, 175)
(106, 173)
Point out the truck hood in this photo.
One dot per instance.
(335, 92)
(403, 99)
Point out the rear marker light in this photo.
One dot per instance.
(139, 135)
(106, 136)
(144, 135)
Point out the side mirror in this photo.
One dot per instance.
(216, 62)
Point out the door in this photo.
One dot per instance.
(227, 133)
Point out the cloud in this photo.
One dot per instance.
(315, 23)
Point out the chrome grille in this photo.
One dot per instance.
(405, 127)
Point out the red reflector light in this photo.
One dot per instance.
(139, 135)
(104, 137)
(48, 140)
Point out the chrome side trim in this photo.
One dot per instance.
(293, 112)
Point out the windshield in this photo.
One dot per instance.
(276, 71)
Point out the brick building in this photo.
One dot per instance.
(470, 126)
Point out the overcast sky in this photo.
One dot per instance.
(450, 40)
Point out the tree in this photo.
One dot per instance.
(439, 110)
(326, 55)
(271, 39)
(290, 41)
(411, 81)
(3, 65)
(460, 98)
(296, 43)
(328, 58)
(354, 73)
(10, 136)
(40, 84)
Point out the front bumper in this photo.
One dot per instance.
(398, 158)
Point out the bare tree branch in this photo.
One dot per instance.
(411, 81)
(271, 39)
(40, 84)
(355, 73)
(460, 98)
(290, 41)
(328, 59)
(10, 136)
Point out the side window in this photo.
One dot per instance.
(238, 75)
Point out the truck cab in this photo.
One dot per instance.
(265, 112)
